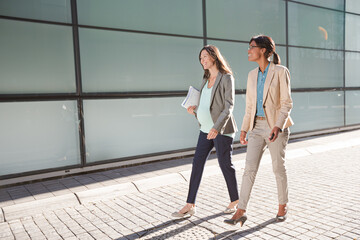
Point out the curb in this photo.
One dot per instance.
(108, 192)
(159, 181)
(37, 206)
(2, 218)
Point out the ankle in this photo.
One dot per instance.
(282, 207)
(190, 205)
(240, 212)
(233, 204)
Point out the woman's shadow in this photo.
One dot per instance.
(234, 234)
(240, 234)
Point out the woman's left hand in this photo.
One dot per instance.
(274, 131)
(212, 134)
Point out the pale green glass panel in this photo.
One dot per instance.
(352, 33)
(352, 107)
(311, 68)
(49, 10)
(237, 56)
(133, 127)
(315, 27)
(335, 4)
(317, 110)
(120, 62)
(353, 6)
(38, 135)
(242, 19)
(36, 58)
(239, 112)
(168, 16)
(352, 63)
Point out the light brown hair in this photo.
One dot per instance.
(221, 63)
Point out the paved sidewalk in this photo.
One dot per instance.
(136, 202)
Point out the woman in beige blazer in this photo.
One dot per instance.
(217, 126)
(266, 122)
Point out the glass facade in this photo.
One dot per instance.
(86, 82)
(142, 62)
(38, 135)
(36, 58)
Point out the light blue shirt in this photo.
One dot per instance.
(203, 112)
(260, 92)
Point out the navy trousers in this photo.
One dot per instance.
(223, 146)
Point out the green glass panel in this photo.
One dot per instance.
(139, 126)
(352, 107)
(352, 33)
(38, 135)
(242, 19)
(352, 63)
(119, 62)
(167, 16)
(36, 58)
(49, 10)
(142, 126)
(335, 4)
(325, 108)
(315, 27)
(236, 55)
(311, 68)
(353, 6)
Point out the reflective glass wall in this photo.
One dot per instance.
(86, 82)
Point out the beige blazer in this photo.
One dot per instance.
(222, 103)
(277, 100)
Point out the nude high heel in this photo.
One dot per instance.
(240, 220)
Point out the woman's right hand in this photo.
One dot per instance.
(191, 109)
(243, 138)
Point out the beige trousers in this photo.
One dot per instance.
(258, 139)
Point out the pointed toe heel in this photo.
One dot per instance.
(240, 220)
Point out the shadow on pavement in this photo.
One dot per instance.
(176, 231)
(241, 234)
(232, 234)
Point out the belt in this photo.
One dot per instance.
(260, 118)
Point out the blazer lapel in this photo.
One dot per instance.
(253, 78)
(217, 81)
(268, 80)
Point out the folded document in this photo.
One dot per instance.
(192, 98)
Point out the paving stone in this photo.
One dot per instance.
(30, 208)
(104, 193)
(173, 231)
(155, 182)
(2, 219)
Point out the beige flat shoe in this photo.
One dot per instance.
(230, 210)
(189, 213)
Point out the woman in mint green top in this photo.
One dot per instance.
(217, 126)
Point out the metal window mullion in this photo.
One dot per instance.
(75, 27)
(204, 22)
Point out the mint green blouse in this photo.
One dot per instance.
(203, 112)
